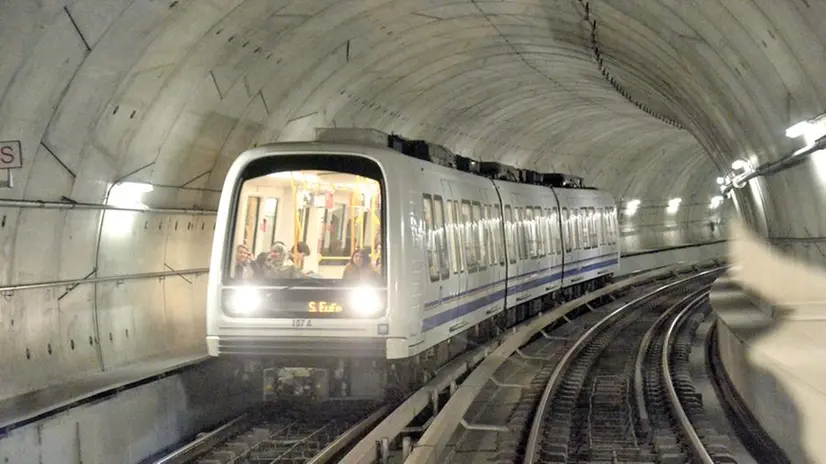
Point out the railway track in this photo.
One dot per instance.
(419, 428)
(281, 433)
(622, 393)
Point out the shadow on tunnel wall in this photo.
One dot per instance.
(770, 352)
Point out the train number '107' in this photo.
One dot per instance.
(323, 307)
(302, 323)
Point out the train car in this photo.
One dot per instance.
(356, 263)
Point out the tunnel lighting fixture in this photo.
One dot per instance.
(810, 130)
(813, 132)
(739, 164)
(720, 181)
(798, 129)
(128, 195)
(631, 207)
(716, 201)
(673, 205)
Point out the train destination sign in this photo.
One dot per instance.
(11, 154)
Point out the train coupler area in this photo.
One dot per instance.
(342, 381)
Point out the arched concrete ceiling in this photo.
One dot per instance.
(181, 87)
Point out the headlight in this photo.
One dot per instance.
(365, 300)
(244, 300)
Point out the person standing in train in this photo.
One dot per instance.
(359, 268)
(243, 262)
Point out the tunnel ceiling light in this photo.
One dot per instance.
(798, 129)
(673, 205)
(716, 201)
(811, 130)
(720, 181)
(631, 207)
(739, 164)
(128, 195)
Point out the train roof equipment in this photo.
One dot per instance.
(438, 154)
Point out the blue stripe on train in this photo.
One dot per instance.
(433, 303)
(471, 306)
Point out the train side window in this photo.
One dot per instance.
(541, 231)
(592, 232)
(593, 224)
(441, 243)
(470, 241)
(460, 236)
(551, 236)
(590, 221)
(521, 242)
(530, 239)
(450, 230)
(510, 237)
(430, 245)
(566, 236)
(487, 220)
(497, 227)
(554, 226)
(609, 231)
(576, 237)
(583, 228)
(480, 235)
(549, 245)
(614, 226)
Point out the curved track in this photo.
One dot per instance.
(622, 392)
(287, 433)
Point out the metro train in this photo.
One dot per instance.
(361, 262)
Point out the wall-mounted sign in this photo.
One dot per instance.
(11, 155)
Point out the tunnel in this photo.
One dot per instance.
(119, 120)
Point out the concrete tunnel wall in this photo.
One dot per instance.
(169, 92)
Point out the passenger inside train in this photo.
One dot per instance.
(338, 213)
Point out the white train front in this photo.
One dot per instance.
(408, 261)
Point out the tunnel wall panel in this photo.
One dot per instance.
(127, 320)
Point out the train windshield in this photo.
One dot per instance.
(302, 220)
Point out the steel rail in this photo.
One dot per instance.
(329, 452)
(645, 344)
(532, 444)
(394, 424)
(205, 442)
(438, 433)
(687, 428)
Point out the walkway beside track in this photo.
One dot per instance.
(21, 410)
(774, 358)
